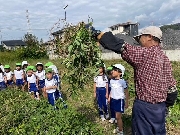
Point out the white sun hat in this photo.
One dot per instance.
(121, 67)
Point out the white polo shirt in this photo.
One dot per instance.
(101, 81)
(31, 79)
(41, 75)
(9, 75)
(49, 83)
(117, 88)
(2, 67)
(18, 74)
(1, 77)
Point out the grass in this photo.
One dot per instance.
(84, 103)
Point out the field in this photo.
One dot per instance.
(21, 115)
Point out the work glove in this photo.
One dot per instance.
(94, 32)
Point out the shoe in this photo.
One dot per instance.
(120, 133)
(107, 116)
(116, 131)
(112, 120)
(102, 118)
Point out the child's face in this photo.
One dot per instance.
(7, 70)
(49, 75)
(29, 72)
(39, 68)
(18, 67)
(100, 70)
(116, 73)
(25, 65)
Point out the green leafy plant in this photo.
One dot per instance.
(22, 115)
(82, 59)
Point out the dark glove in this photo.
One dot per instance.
(94, 32)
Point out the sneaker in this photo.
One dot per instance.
(107, 116)
(112, 120)
(116, 131)
(102, 118)
(120, 133)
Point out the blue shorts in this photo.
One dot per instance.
(9, 82)
(2, 85)
(33, 88)
(117, 105)
(41, 83)
(51, 98)
(19, 82)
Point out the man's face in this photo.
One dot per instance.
(143, 40)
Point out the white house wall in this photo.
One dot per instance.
(173, 55)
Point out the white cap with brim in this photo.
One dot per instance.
(151, 30)
(121, 67)
(39, 63)
(24, 63)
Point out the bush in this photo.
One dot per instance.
(31, 53)
(8, 57)
(22, 115)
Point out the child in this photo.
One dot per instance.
(32, 83)
(24, 66)
(40, 73)
(2, 80)
(19, 76)
(50, 86)
(118, 95)
(101, 92)
(2, 67)
(56, 76)
(109, 73)
(8, 75)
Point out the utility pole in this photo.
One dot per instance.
(29, 31)
(65, 12)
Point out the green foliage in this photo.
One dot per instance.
(83, 58)
(8, 56)
(34, 50)
(172, 26)
(31, 52)
(2, 49)
(22, 115)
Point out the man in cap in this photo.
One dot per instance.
(152, 76)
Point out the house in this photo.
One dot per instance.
(128, 28)
(13, 44)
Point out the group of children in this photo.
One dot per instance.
(110, 88)
(38, 79)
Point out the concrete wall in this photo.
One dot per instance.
(173, 55)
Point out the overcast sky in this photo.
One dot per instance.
(43, 14)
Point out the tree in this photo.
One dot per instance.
(31, 40)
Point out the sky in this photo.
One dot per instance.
(45, 15)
